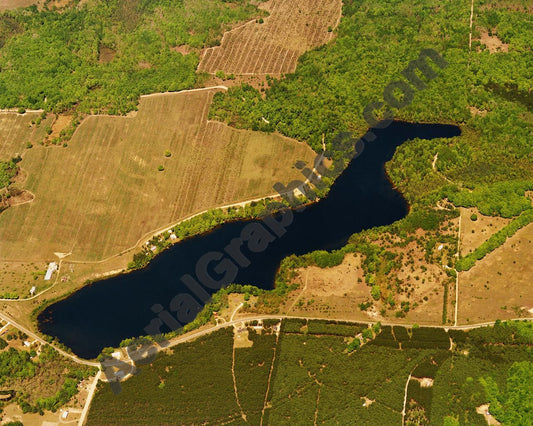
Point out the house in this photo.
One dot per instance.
(52, 267)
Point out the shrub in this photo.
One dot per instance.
(354, 344)
(367, 334)
(365, 305)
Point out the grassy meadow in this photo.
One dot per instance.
(102, 193)
(17, 129)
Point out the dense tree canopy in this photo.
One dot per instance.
(376, 41)
(102, 55)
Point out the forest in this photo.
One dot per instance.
(488, 94)
(375, 42)
(312, 369)
(100, 56)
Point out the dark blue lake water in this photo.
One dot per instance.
(106, 312)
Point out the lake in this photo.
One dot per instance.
(104, 313)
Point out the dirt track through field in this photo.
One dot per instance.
(274, 46)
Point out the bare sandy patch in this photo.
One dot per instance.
(240, 337)
(106, 55)
(367, 402)
(493, 43)
(425, 382)
(475, 111)
(19, 197)
(484, 411)
(184, 49)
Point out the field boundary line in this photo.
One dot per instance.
(270, 377)
(235, 382)
(11, 110)
(89, 400)
(337, 23)
(405, 394)
(222, 87)
(456, 271)
(151, 95)
(251, 21)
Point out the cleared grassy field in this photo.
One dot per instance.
(102, 193)
(476, 232)
(16, 130)
(499, 285)
(273, 47)
(19, 278)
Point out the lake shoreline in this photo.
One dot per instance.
(370, 183)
